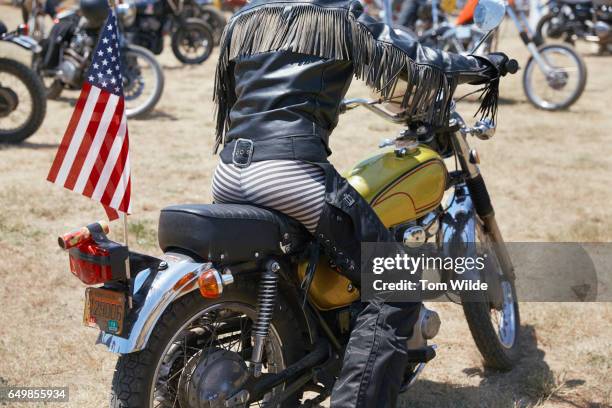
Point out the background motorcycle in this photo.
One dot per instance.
(192, 39)
(205, 10)
(555, 75)
(242, 309)
(23, 103)
(66, 55)
(433, 29)
(579, 20)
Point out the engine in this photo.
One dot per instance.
(75, 58)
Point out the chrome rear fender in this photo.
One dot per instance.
(156, 290)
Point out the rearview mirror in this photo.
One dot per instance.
(489, 14)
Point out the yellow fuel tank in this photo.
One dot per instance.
(400, 189)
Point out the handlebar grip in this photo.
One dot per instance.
(511, 66)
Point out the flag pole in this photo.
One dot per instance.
(128, 272)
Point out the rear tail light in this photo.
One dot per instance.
(211, 283)
(95, 259)
(23, 29)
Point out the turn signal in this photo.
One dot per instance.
(211, 283)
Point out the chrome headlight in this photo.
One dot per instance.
(127, 13)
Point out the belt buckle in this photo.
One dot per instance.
(243, 153)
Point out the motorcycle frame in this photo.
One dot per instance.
(531, 41)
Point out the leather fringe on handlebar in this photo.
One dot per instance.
(331, 33)
(488, 101)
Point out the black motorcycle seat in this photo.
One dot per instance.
(229, 233)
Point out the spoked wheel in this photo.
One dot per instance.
(22, 101)
(495, 327)
(561, 83)
(143, 80)
(196, 356)
(192, 42)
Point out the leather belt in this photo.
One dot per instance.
(241, 152)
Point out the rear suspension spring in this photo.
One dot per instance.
(266, 302)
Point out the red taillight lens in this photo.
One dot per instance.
(210, 283)
(23, 29)
(90, 264)
(93, 257)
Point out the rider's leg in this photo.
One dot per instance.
(340, 219)
(375, 358)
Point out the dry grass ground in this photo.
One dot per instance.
(549, 175)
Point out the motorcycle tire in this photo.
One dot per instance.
(132, 384)
(39, 102)
(192, 26)
(528, 81)
(495, 353)
(216, 20)
(541, 27)
(136, 52)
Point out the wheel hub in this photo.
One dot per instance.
(557, 80)
(8, 101)
(210, 378)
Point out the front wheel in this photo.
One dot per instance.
(143, 81)
(199, 348)
(494, 320)
(558, 81)
(22, 101)
(192, 42)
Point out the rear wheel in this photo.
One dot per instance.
(201, 344)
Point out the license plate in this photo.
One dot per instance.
(104, 309)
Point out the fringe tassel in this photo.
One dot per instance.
(488, 101)
(331, 33)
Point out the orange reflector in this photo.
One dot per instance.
(210, 284)
(183, 281)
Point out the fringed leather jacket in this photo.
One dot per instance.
(285, 66)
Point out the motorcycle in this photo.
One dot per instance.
(554, 76)
(22, 95)
(578, 20)
(67, 53)
(205, 10)
(243, 309)
(192, 39)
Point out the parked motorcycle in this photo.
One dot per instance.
(192, 39)
(554, 76)
(206, 11)
(573, 20)
(22, 95)
(243, 310)
(67, 53)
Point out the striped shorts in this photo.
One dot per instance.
(294, 188)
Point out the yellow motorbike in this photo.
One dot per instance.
(242, 310)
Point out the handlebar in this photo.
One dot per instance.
(370, 104)
(512, 66)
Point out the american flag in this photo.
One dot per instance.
(93, 158)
